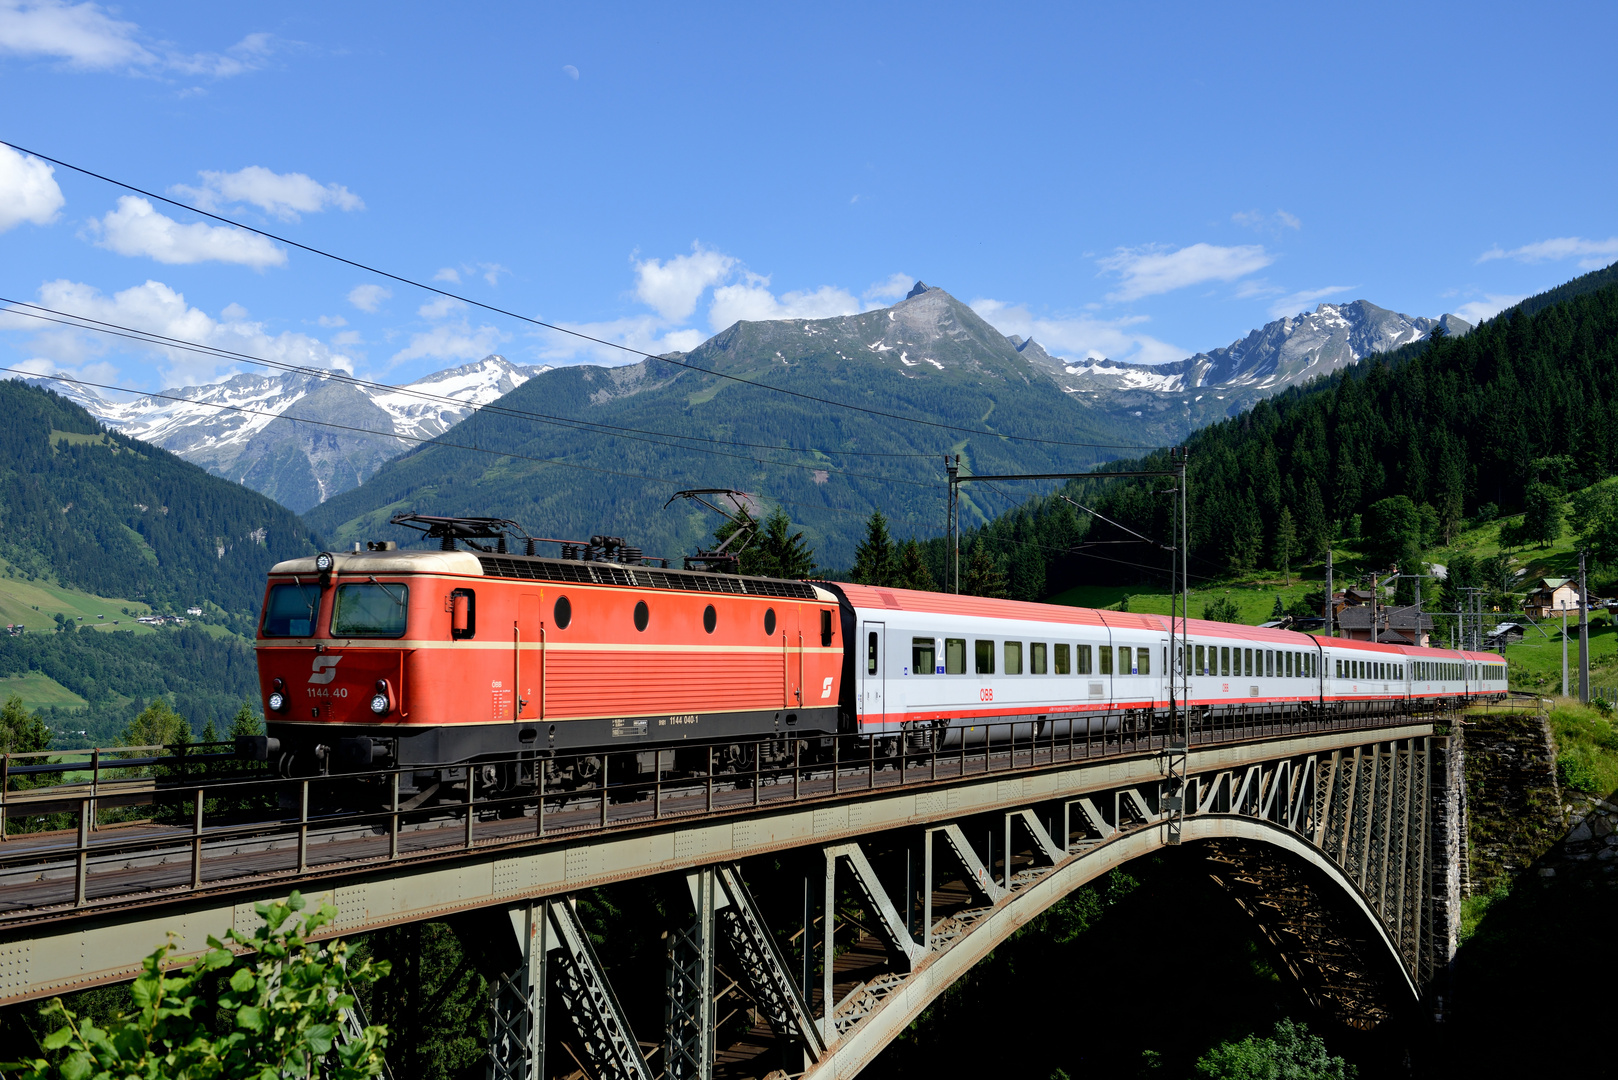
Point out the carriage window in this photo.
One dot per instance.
(1224, 660)
(1125, 666)
(984, 656)
(870, 653)
(370, 610)
(1247, 660)
(921, 656)
(1063, 660)
(1106, 658)
(1083, 657)
(1143, 659)
(1271, 657)
(1201, 661)
(1013, 650)
(1339, 669)
(291, 611)
(955, 656)
(1036, 658)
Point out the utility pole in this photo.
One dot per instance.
(1331, 631)
(1584, 636)
(1564, 650)
(953, 467)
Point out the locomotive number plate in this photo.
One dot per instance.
(628, 729)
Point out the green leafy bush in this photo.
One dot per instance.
(1290, 1052)
(285, 1006)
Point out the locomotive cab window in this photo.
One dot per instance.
(291, 610)
(825, 629)
(921, 655)
(463, 618)
(955, 656)
(374, 610)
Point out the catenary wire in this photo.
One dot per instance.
(408, 438)
(115, 330)
(562, 329)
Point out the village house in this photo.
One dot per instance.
(1394, 625)
(1550, 597)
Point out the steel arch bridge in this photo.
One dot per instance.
(1341, 839)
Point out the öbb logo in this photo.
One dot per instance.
(325, 670)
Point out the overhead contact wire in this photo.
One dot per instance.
(555, 327)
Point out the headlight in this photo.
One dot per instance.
(379, 704)
(323, 562)
(278, 702)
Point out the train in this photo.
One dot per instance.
(432, 662)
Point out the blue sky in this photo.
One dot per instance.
(1134, 181)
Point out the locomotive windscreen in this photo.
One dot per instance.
(291, 611)
(370, 611)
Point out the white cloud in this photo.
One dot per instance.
(233, 312)
(1492, 304)
(1273, 223)
(890, 288)
(85, 37)
(490, 272)
(570, 71)
(137, 229)
(332, 320)
(1301, 301)
(451, 341)
(672, 288)
(752, 301)
(449, 274)
(1592, 254)
(285, 195)
(1082, 337)
(157, 308)
(439, 307)
(1149, 271)
(368, 297)
(28, 190)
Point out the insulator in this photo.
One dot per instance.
(500, 546)
(530, 546)
(630, 555)
(569, 551)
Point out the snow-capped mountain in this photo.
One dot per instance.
(246, 428)
(1225, 381)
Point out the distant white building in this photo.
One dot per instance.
(193, 611)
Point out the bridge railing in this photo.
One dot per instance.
(275, 827)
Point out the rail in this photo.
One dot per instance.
(213, 833)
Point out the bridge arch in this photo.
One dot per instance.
(1381, 969)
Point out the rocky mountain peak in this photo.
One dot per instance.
(917, 289)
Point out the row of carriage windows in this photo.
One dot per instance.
(1020, 657)
(1222, 660)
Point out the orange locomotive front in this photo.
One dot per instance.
(439, 658)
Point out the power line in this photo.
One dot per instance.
(147, 337)
(562, 329)
(438, 441)
(162, 340)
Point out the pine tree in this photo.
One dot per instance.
(245, 722)
(1542, 514)
(1286, 545)
(983, 575)
(874, 557)
(913, 572)
(778, 551)
(1279, 610)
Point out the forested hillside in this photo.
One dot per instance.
(113, 516)
(1462, 427)
(205, 677)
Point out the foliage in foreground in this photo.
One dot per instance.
(1290, 1053)
(283, 1005)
